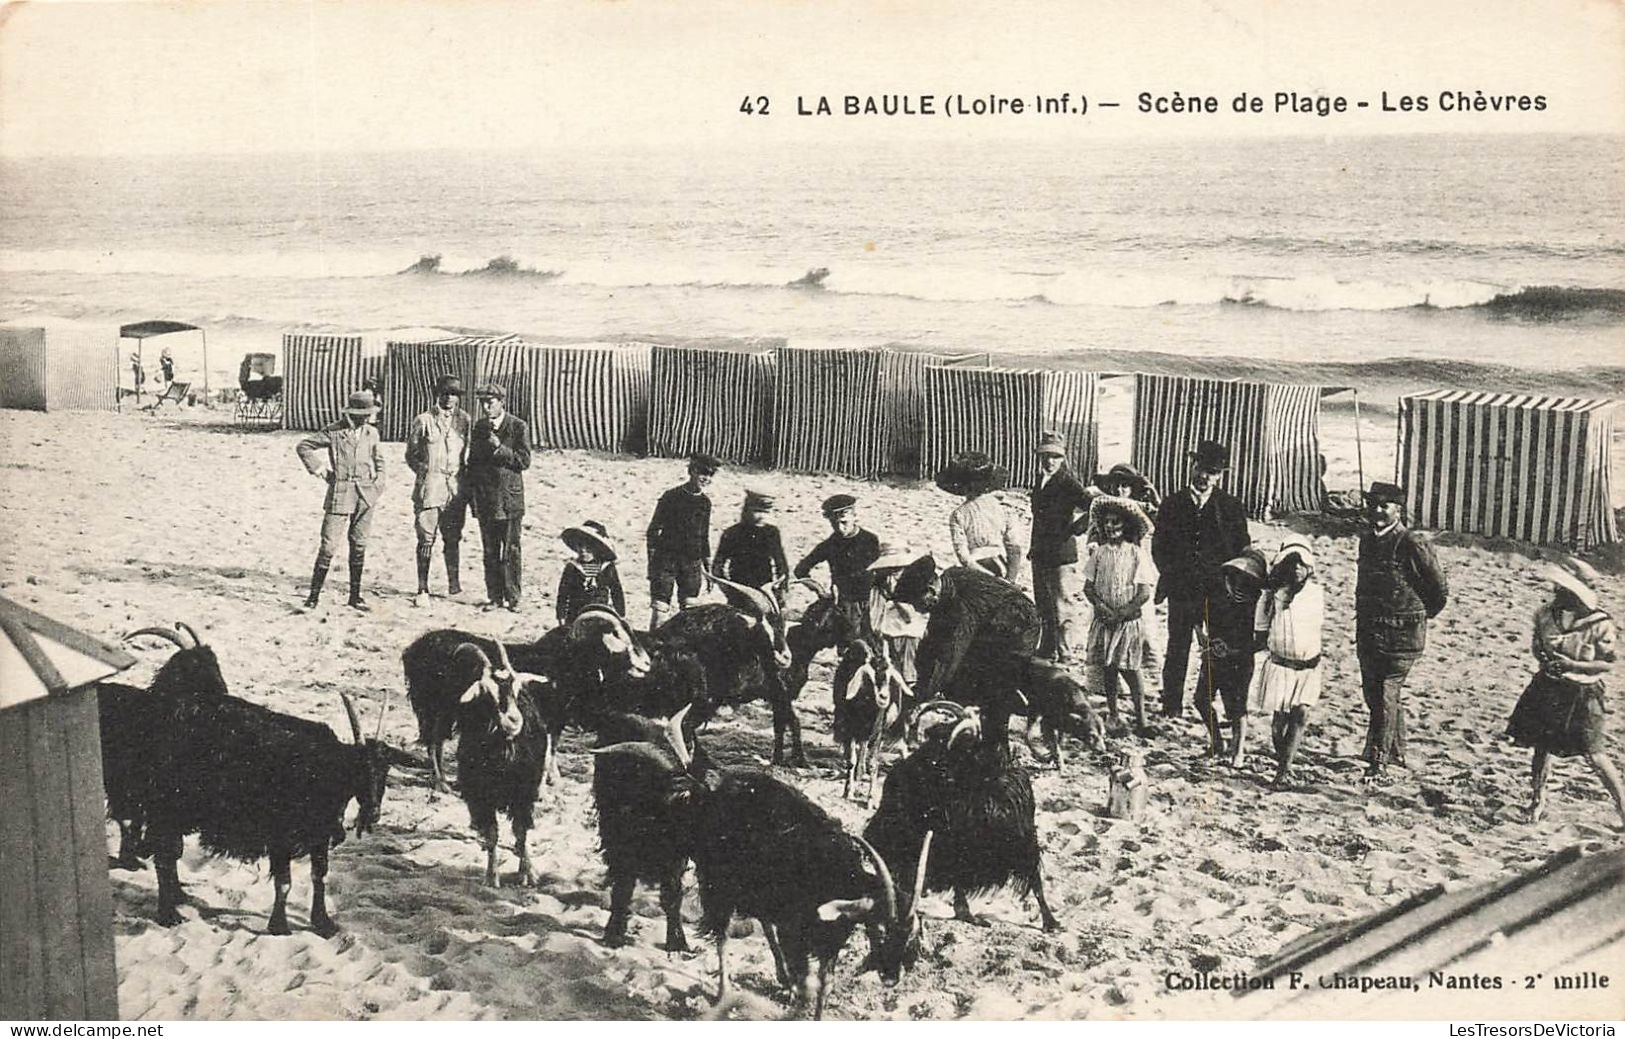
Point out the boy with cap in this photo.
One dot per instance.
(348, 457)
(498, 455)
(679, 540)
(847, 552)
(751, 552)
(437, 451)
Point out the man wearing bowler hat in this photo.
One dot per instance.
(1060, 514)
(1198, 529)
(1398, 587)
(498, 455)
(437, 451)
(348, 458)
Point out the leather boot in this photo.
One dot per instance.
(425, 556)
(318, 577)
(358, 560)
(454, 579)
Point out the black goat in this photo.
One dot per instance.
(763, 850)
(574, 657)
(254, 783)
(870, 700)
(132, 719)
(1060, 702)
(821, 627)
(965, 790)
(502, 752)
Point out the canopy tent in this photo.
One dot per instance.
(589, 395)
(854, 411)
(1271, 429)
(719, 401)
(191, 361)
(1535, 469)
(413, 367)
(56, 919)
(322, 369)
(1002, 411)
(58, 367)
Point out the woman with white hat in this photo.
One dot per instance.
(1563, 709)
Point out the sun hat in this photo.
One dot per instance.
(361, 403)
(836, 504)
(1251, 562)
(1211, 455)
(592, 534)
(1121, 473)
(448, 384)
(972, 474)
(1137, 525)
(894, 556)
(1577, 576)
(492, 391)
(1051, 443)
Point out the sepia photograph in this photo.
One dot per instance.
(601, 510)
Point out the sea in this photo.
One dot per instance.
(1494, 262)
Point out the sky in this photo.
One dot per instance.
(221, 76)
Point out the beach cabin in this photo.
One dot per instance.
(589, 395)
(142, 370)
(1272, 430)
(413, 366)
(322, 369)
(715, 400)
(1002, 411)
(59, 367)
(56, 915)
(1518, 466)
(854, 411)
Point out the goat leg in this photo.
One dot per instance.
(819, 985)
(1051, 924)
(798, 755)
(165, 856)
(671, 900)
(320, 922)
(129, 837)
(621, 887)
(489, 840)
(521, 847)
(550, 761)
(723, 988)
(962, 911)
(771, 931)
(282, 879)
(437, 748)
(850, 753)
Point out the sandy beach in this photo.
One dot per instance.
(115, 521)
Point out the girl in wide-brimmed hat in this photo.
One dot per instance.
(1118, 580)
(590, 578)
(1563, 708)
(1287, 682)
(983, 531)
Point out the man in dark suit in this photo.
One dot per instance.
(1198, 529)
(498, 455)
(1060, 513)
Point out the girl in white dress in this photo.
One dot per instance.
(1118, 580)
(1287, 681)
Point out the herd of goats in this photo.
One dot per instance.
(954, 814)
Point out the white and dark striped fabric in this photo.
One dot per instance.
(1002, 411)
(902, 389)
(59, 368)
(593, 396)
(1272, 431)
(1530, 468)
(414, 367)
(22, 369)
(828, 413)
(321, 370)
(718, 401)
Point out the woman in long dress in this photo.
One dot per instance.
(1287, 681)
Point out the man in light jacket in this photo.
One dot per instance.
(437, 451)
(347, 456)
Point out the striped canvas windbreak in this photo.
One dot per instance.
(1271, 429)
(1002, 411)
(718, 401)
(827, 412)
(413, 368)
(59, 368)
(22, 368)
(321, 370)
(593, 396)
(1530, 468)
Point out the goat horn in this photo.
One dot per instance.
(886, 881)
(187, 628)
(919, 871)
(355, 719)
(469, 647)
(823, 591)
(744, 597)
(674, 733)
(932, 707)
(502, 651)
(163, 633)
(382, 710)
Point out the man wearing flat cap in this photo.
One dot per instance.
(751, 552)
(679, 540)
(1398, 587)
(349, 459)
(1060, 515)
(437, 451)
(847, 552)
(498, 455)
(1198, 530)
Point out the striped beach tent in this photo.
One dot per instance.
(1531, 468)
(59, 367)
(413, 367)
(702, 399)
(321, 370)
(1002, 411)
(1272, 430)
(589, 395)
(902, 389)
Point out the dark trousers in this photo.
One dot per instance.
(1183, 617)
(502, 558)
(1382, 679)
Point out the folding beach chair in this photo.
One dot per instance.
(175, 393)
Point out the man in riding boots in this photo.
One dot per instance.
(437, 451)
(348, 456)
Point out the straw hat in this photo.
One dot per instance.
(894, 556)
(593, 535)
(1576, 576)
(1136, 524)
(361, 403)
(972, 474)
